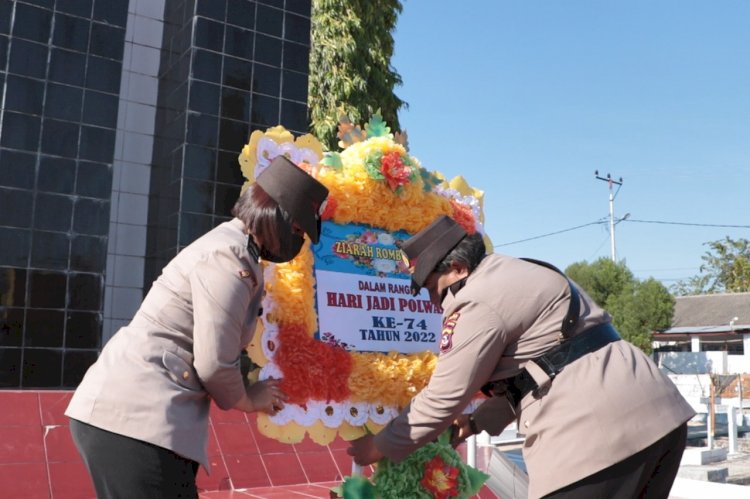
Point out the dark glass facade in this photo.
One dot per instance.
(60, 63)
(67, 150)
(228, 67)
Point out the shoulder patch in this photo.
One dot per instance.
(446, 337)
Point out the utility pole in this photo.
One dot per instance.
(610, 181)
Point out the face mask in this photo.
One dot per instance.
(288, 251)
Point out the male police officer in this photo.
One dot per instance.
(600, 419)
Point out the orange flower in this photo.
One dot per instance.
(440, 479)
(463, 216)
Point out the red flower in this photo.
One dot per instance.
(312, 370)
(440, 479)
(330, 208)
(394, 170)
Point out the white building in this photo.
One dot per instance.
(709, 334)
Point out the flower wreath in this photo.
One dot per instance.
(373, 181)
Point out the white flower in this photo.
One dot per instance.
(269, 342)
(268, 305)
(386, 239)
(306, 416)
(291, 412)
(269, 371)
(383, 265)
(446, 192)
(356, 413)
(284, 416)
(382, 414)
(310, 413)
(268, 149)
(331, 414)
(303, 154)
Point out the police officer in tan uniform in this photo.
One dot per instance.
(600, 419)
(140, 415)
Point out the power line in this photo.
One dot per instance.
(596, 251)
(687, 223)
(550, 234)
(599, 222)
(665, 269)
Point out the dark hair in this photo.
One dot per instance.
(468, 252)
(264, 218)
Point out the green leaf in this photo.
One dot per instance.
(372, 166)
(429, 179)
(376, 127)
(333, 160)
(357, 487)
(445, 437)
(476, 480)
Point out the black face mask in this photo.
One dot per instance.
(287, 251)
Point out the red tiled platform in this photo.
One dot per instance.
(39, 460)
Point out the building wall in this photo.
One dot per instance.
(120, 127)
(228, 67)
(60, 65)
(134, 145)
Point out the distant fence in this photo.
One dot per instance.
(694, 387)
(702, 362)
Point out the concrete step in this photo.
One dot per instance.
(717, 474)
(703, 455)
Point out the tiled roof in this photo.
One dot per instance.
(711, 313)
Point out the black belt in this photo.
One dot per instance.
(555, 360)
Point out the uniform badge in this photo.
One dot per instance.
(446, 337)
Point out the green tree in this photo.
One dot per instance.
(637, 307)
(601, 278)
(642, 307)
(725, 269)
(350, 69)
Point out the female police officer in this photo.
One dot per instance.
(140, 415)
(600, 419)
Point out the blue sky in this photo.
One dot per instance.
(526, 99)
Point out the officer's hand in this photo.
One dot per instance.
(460, 430)
(363, 450)
(265, 396)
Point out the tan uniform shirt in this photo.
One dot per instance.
(155, 378)
(599, 410)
